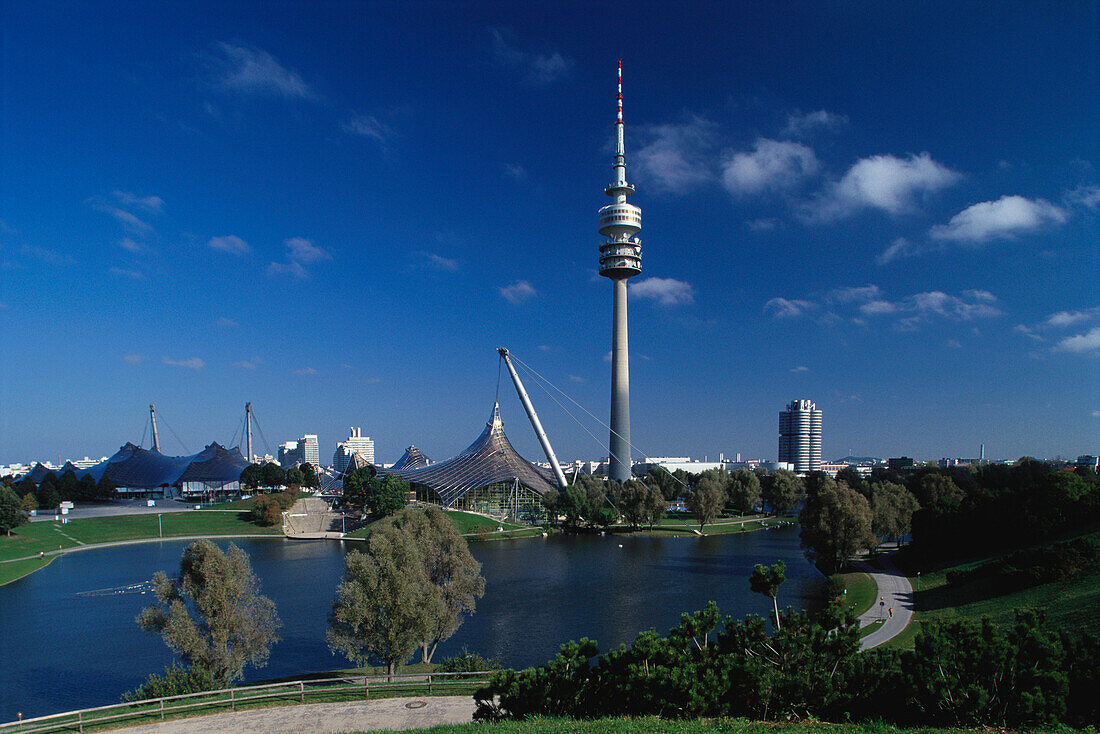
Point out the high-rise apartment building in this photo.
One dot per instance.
(800, 436)
(356, 443)
(303, 451)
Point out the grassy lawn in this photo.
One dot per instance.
(475, 527)
(1073, 603)
(861, 591)
(653, 725)
(49, 536)
(685, 524)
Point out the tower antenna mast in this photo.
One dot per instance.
(153, 420)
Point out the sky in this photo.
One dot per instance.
(338, 210)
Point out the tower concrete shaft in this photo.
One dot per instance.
(620, 260)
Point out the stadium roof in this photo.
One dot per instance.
(413, 458)
(138, 468)
(488, 460)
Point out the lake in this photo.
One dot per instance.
(70, 640)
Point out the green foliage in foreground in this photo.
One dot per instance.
(960, 674)
(176, 681)
(654, 725)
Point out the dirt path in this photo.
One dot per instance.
(386, 714)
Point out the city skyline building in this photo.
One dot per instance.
(800, 436)
(303, 451)
(620, 260)
(355, 444)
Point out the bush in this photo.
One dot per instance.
(1031, 567)
(467, 662)
(176, 681)
(267, 510)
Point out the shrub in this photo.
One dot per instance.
(176, 681)
(467, 662)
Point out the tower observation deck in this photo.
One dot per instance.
(620, 260)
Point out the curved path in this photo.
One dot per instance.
(894, 591)
(382, 714)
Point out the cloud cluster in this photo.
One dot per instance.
(300, 252)
(665, 291)
(518, 292)
(804, 125)
(537, 68)
(231, 244)
(771, 165)
(676, 157)
(860, 304)
(194, 363)
(1004, 218)
(1086, 342)
(245, 70)
(124, 207)
(883, 182)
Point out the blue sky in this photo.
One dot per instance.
(339, 210)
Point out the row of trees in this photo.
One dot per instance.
(958, 674)
(53, 490)
(412, 588)
(365, 491)
(273, 476)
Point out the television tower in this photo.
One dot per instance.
(620, 260)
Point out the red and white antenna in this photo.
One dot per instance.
(619, 121)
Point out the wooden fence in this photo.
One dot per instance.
(321, 690)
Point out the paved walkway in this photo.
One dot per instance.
(894, 591)
(384, 714)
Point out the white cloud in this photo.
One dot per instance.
(800, 368)
(772, 165)
(133, 274)
(291, 268)
(1004, 218)
(876, 308)
(782, 308)
(898, 249)
(244, 364)
(1086, 196)
(515, 171)
(368, 126)
(518, 292)
(854, 294)
(802, 125)
(665, 291)
(762, 225)
(537, 68)
(953, 344)
(192, 364)
(576, 378)
(232, 244)
(1096, 414)
(305, 371)
(972, 305)
(882, 182)
(255, 71)
(305, 252)
(130, 246)
(1063, 319)
(1082, 343)
(675, 156)
(441, 263)
(227, 323)
(151, 204)
(47, 256)
(133, 358)
(1026, 331)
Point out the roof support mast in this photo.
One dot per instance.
(248, 429)
(153, 420)
(534, 419)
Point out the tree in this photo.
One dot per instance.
(654, 505)
(68, 486)
(29, 502)
(356, 483)
(573, 503)
(783, 490)
(835, 524)
(309, 476)
(105, 488)
(387, 496)
(892, 508)
(251, 478)
(632, 502)
(87, 490)
(707, 500)
(294, 477)
(212, 613)
(385, 602)
(47, 494)
(449, 566)
(766, 580)
(744, 490)
(11, 510)
(939, 494)
(272, 475)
